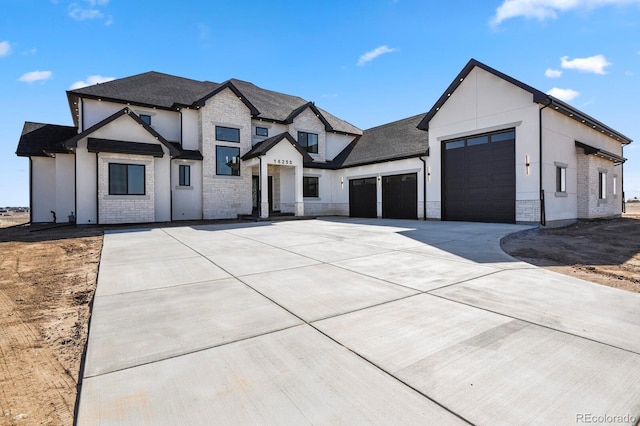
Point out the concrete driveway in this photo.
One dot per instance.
(347, 321)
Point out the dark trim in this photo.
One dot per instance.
(75, 186)
(306, 147)
(97, 191)
(238, 156)
(30, 191)
(263, 147)
(329, 166)
(228, 85)
(424, 188)
(538, 97)
(314, 109)
(144, 177)
(591, 150)
(82, 107)
(227, 128)
(181, 135)
(262, 127)
(73, 142)
(125, 101)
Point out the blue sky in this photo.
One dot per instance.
(368, 62)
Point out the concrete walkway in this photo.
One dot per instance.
(351, 321)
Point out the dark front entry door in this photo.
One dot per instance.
(255, 193)
(362, 197)
(400, 196)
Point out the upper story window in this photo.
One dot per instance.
(146, 118)
(227, 161)
(309, 141)
(262, 131)
(227, 134)
(126, 179)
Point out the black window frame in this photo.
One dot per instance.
(303, 141)
(561, 179)
(266, 131)
(233, 172)
(220, 135)
(184, 175)
(308, 185)
(146, 118)
(127, 191)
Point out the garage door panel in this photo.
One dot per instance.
(400, 196)
(362, 198)
(479, 179)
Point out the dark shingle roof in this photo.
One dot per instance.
(39, 139)
(122, 147)
(392, 141)
(152, 89)
(168, 92)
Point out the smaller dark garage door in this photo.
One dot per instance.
(400, 196)
(362, 197)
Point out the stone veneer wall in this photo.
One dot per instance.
(589, 205)
(527, 211)
(224, 197)
(125, 208)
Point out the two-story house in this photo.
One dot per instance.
(155, 147)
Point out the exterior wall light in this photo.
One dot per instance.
(527, 163)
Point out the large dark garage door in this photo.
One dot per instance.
(400, 196)
(362, 197)
(479, 178)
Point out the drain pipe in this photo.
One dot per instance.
(424, 188)
(543, 215)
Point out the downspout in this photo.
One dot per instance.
(260, 187)
(180, 112)
(543, 218)
(97, 189)
(30, 191)
(424, 188)
(624, 204)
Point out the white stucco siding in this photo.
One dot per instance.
(485, 103)
(274, 129)
(162, 187)
(167, 123)
(225, 197)
(65, 190)
(43, 188)
(190, 129)
(86, 186)
(187, 200)
(336, 143)
(307, 121)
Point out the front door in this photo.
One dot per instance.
(255, 193)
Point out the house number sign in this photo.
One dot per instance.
(283, 161)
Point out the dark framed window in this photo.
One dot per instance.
(602, 185)
(227, 161)
(184, 175)
(146, 118)
(262, 131)
(126, 179)
(561, 179)
(310, 187)
(309, 141)
(501, 136)
(227, 134)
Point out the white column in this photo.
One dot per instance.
(299, 198)
(264, 189)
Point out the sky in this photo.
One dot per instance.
(369, 62)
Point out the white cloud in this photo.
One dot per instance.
(370, 56)
(5, 48)
(548, 9)
(34, 76)
(566, 95)
(91, 80)
(552, 73)
(595, 64)
(31, 51)
(90, 9)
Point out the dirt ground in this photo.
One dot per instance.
(605, 251)
(48, 278)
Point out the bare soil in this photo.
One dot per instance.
(48, 277)
(47, 281)
(606, 252)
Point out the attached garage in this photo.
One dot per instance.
(479, 178)
(362, 197)
(400, 196)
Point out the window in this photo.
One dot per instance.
(262, 131)
(561, 179)
(146, 118)
(615, 185)
(126, 179)
(227, 134)
(309, 141)
(501, 136)
(602, 185)
(227, 161)
(310, 186)
(184, 175)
